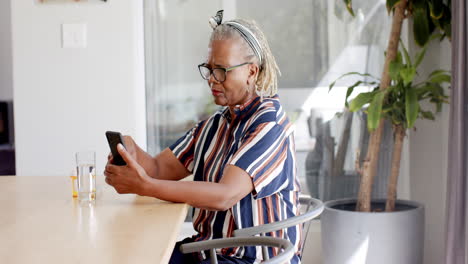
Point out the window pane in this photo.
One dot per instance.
(297, 35)
(176, 41)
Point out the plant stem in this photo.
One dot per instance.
(399, 132)
(372, 156)
(369, 167)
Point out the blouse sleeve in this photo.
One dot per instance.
(184, 147)
(265, 155)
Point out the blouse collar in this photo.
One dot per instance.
(241, 109)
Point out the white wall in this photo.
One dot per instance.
(428, 160)
(65, 99)
(6, 77)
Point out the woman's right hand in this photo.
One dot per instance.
(162, 166)
(130, 146)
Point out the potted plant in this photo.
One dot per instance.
(351, 230)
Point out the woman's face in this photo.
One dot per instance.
(239, 84)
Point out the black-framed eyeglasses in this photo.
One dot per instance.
(218, 73)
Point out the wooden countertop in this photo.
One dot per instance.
(40, 222)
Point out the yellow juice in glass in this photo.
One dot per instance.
(74, 187)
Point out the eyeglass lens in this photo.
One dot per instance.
(218, 74)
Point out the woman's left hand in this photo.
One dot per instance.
(131, 178)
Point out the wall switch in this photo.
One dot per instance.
(74, 36)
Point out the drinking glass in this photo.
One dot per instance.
(86, 173)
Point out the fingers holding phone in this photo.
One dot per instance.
(130, 147)
(129, 144)
(115, 138)
(128, 178)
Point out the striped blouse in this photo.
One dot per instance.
(258, 139)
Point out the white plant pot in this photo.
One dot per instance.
(350, 237)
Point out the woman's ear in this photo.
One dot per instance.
(253, 73)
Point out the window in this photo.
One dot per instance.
(314, 43)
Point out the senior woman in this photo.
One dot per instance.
(242, 157)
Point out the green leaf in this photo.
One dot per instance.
(399, 57)
(422, 91)
(347, 74)
(407, 56)
(448, 29)
(440, 78)
(438, 107)
(420, 26)
(394, 69)
(437, 72)
(432, 26)
(349, 6)
(375, 110)
(443, 21)
(435, 89)
(421, 53)
(437, 23)
(412, 107)
(420, 56)
(407, 74)
(351, 89)
(391, 4)
(360, 100)
(397, 113)
(436, 8)
(418, 3)
(427, 115)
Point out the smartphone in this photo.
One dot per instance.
(115, 138)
